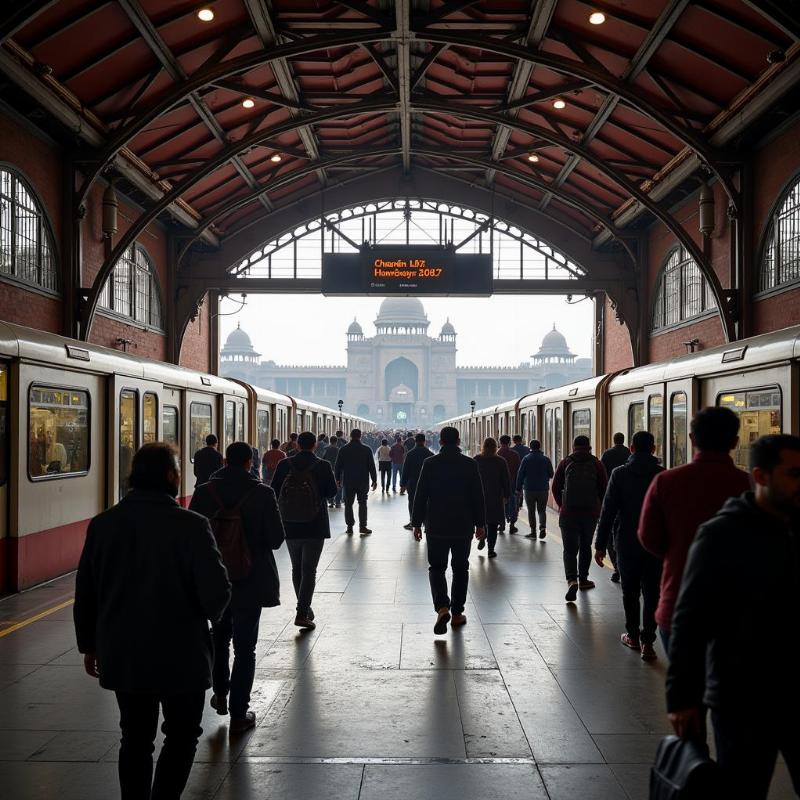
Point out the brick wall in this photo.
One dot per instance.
(196, 341)
(617, 343)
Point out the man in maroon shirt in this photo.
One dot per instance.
(512, 460)
(681, 499)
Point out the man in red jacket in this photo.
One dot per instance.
(681, 499)
(512, 460)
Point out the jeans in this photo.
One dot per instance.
(640, 573)
(385, 468)
(396, 470)
(350, 494)
(439, 550)
(304, 554)
(537, 505)
(512, 508)
(491, 536)
(411, 491)
(747, 749)
(241, 626)
(139, 724)
(576, 534)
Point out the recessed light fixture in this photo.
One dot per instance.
(205, 14)
(275, 158)
(248, 102)
(559, 103)
(597, 18)
(533, 157)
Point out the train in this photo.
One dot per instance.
(757, 378)
(71, 416)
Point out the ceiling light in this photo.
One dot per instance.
(533, 157)
(559, 103)
(275, 158)
(205, 14)
(597, 18)
(248, 102)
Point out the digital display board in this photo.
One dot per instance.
(407, 270)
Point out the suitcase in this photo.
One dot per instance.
(684, 771)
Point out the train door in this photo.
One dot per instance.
(263, 428)
(653, 408)
(680, 402)
(233, 421)
(200, 418)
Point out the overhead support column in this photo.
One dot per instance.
(403, 44)
(71, 278)
(742, 252)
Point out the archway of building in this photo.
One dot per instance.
(401, 372)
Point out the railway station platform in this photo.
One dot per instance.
(532, 699)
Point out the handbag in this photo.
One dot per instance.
(684, 771)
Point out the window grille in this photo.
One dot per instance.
(132, 289)
(681, 291)
(781, 260)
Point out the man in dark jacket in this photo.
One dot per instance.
(305, 538)
(329, 455)
(533, 479)
(398, 455)
(232, 488)
(612, 458)
(355, 466)
(207, 460)
(150, 578)
(513, 460)
(449, 501)
(619, 519)
(412, 467)
(722, 628)
(578, 488)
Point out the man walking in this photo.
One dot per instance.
(150, 578)
(397, 454)
(578, 488)
(355, 466)
(449, 501)
(721, 625)
(612, 458)
(619, 519)
(412, 467)
(245, 520)
(513, 460)
(331, 451)
(321, 445)
(207, 460)
(302, 484)
(519, 447)
(270, 461)
(533, 479)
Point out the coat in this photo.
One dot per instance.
(318, 528)
(496, 487)
(513, 460)
(149, 581)
(449, 496)
(614, 457)
(263, 529)
(207, 460)
(355, 465)
(412, 467)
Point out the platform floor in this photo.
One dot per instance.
(533, 699)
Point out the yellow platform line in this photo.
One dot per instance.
(35, 618)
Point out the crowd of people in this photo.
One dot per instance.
(679, 542)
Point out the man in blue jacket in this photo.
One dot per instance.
(533, 479)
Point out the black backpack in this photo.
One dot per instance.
(684, 771)
(227, 526)
(580, 485)
(299, 500)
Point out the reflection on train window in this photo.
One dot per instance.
(169, 425)
(635, 419)
(655, 422)
(127, 437)
(532, 428)
(678, 420)
(759, 415)
(557, 435)
(240, 422)
(199, 426)
(298, 424)
(262, 437)
(548, 432)
(58, 431)
(150, 418)
(230, 422)
(582, 423)
(5, 430)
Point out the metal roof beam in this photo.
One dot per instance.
(20, 15)
(402, 37)
(783, 14)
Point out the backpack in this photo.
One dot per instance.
(683, 771)
(580, 485)
(227, 526)
(299, 500)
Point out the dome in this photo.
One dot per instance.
(355, 329)
(554, 343)
(238, 340)
(401, 311)
(448, 329)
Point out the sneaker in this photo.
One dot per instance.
(572, 592)
(586, 584)
(349, 530)
(492, 554)
(364, 531)
(219, 702)
(458, 619)
(244, 723)
(481, 544)
(648, 652)
(305, 622)
(513, 528)
(615, 577)
(441, 621)
(542, 533)
(629, 641)
(409, 527)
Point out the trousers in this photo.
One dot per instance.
(640, 575)
(397, 469)
(491, 535)
(241, 627)
(385, 468)
(304, 555)
(512, 508)
(576, 534)
(536, 503)
(350, 494)
(139, 724)
(457, 550)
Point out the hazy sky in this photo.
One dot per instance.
(501, 330)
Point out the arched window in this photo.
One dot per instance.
(132, 289)
(681, 291)
(780, 262)
(26, 243)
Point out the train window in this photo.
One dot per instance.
(759, 415)
(240, 422)
(558, 435)
(58, 443)
(149, 418)
(262, 424)
(128, 413)
(635, 419)
(548, 431)
(199, 426)
(678, 421)
(170, 427)
(230, 422)
(532, 428)
(582, 423)
(5, 422)
(655, 422)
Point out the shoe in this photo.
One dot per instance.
(648, 652)
(364, 531)
(492, 554)
(219, 702)
(629, 641)
(310, 614)
(441, 621)
(330, 505)
(402, 491)
(513, 529)
(586, 584)
(409, 527)
(481, 544)
(572, 592)
(304, 622)
(615, 577)
(458, 619)
(244, 724)
(349, 530)
(542, 533)
(337, 505)
(530, 535)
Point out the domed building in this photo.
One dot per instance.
(402, 376)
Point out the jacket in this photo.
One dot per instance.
(449, 496)
(149, 581)
(207, 460)
(535, 472)
(322, 473)
(676, 504)
(269, 463)
(397, 453)
(384, 453)
(513, 460)
(521, 450)
(496, 487)
(331, 451)
(355, 465)
(412, 467)
(740, 592)
(614, 457)
(622, 504)
(559, 482)
(263, 529)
